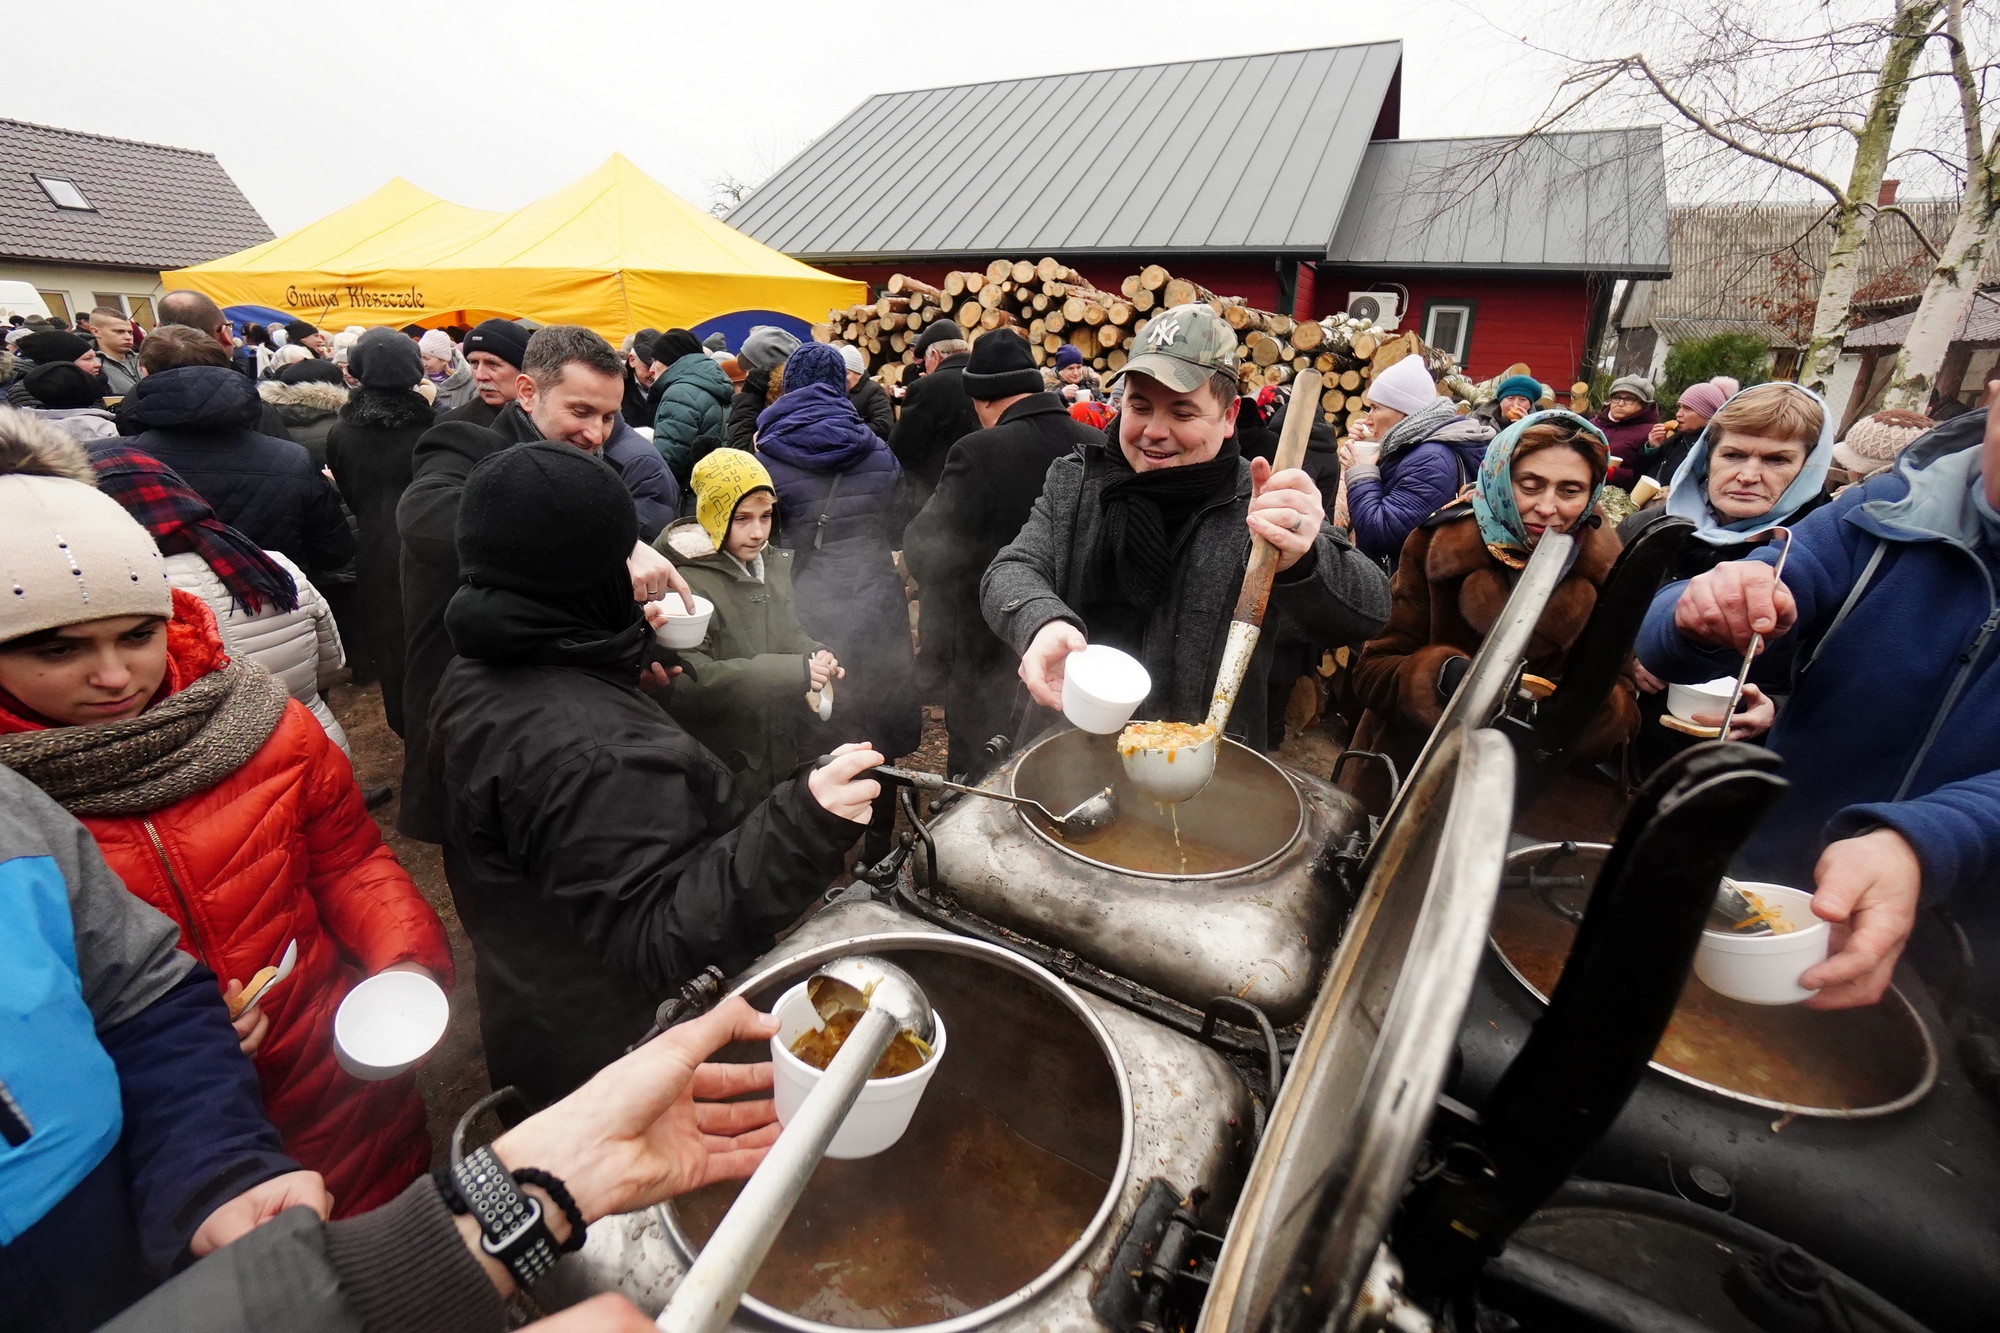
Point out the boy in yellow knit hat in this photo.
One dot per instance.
(759, 684)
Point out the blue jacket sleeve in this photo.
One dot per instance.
(1954, 830)
(195, 1133)
(1384, 516)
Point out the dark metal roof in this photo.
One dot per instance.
(152, 206)
(1586, 200)
(1248, 154)
(1982, 325)
(1676, 329)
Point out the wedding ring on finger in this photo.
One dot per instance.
(1299, 523)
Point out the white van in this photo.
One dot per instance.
(21, 298)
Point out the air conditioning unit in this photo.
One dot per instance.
(1380, 308)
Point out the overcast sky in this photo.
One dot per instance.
(310, 106)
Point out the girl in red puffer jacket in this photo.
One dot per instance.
(214, 796)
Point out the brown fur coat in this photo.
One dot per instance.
(1447, 592)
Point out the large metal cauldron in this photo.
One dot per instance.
(1002, 1204)
(1255, 913)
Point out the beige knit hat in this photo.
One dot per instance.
(1874, 443)
(67, 552)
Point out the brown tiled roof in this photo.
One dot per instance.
(154, 206)
(1982, 325)
(1763, 262)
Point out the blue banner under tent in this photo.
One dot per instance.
(734, 326)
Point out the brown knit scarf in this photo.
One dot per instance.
(184, 744)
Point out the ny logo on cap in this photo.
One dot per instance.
(1164, 332)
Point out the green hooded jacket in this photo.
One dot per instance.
(694, 403)
(747, 698)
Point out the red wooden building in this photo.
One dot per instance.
(1278, 178)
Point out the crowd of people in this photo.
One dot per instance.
(202, 527)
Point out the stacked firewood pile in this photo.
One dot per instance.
(1051, 304)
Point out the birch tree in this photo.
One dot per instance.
(1955, 277)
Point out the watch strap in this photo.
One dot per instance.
(510, 1222)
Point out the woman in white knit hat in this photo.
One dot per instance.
(214, 795)
(1418, 453)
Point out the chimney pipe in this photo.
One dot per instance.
(1887, 194)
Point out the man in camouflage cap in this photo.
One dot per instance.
(1140, 542)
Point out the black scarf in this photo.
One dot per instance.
(1144, 515)
(600, 626)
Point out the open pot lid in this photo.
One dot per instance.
(1345, 1132)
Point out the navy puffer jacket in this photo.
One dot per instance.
(201, 421)
(848, 593)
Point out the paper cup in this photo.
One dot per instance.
(883, 1110)
(388, 1023)
(1102, 688)
(682, 630)
(1765, 969)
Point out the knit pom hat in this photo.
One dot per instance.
(1404, 387)
(721, 479)
(68, 553)
(1874, 443)
(543, 518)
(1704, 399)
(1001, 366)
(1520, 386)
(437, 343)
(817, 363)
(384, 359)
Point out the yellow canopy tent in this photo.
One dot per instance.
(614, 251)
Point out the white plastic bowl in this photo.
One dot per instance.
(1765, 969)
(1708, 698)
(388, 1023)
(1102, 688)
(682, 630)
(882, 1112)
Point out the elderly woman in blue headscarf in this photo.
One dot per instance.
(836, 484)
(1760, 465)
(1541, 475)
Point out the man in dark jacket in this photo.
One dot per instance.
(937, 411)
(494, 350)
(569, 389)
(199, 417)
(1141, 542)
(867, 396)
(192, 310)
(132, 1128)
(1886, 630)
(985, 493)
(598, 854)
(640, 403)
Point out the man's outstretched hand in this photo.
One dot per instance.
(1868, 887)
(653, 1124)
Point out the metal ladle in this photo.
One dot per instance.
(1091, 817)
(1756, 643)
(893, 1003)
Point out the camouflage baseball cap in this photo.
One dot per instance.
(1183, 347)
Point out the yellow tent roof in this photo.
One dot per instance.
(614, 251)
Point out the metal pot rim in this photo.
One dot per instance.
(929, 941)
(1081, 854)
(1925, 1081)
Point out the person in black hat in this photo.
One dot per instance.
(370, 452)
(494, 350)
(307, 336)
(71, 400)
(984, 494)
(643, 866)
(937, 410)
(639, 377)
(50, 348)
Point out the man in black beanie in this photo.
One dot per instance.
(307, 336)
(599, 856)
(984, 494)
(566, 389)
(639, 377)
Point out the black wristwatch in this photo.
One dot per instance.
(510, 1223)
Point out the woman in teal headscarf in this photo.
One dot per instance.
(1542, 474)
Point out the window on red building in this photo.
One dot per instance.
(1448, 327)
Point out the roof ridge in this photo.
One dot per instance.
(106, 138)
(1120, 69)
(1536, 134)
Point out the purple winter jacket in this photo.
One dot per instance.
(1387, 506)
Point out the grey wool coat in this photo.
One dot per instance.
(1338, 595)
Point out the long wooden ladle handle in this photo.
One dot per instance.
(1263, 565)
